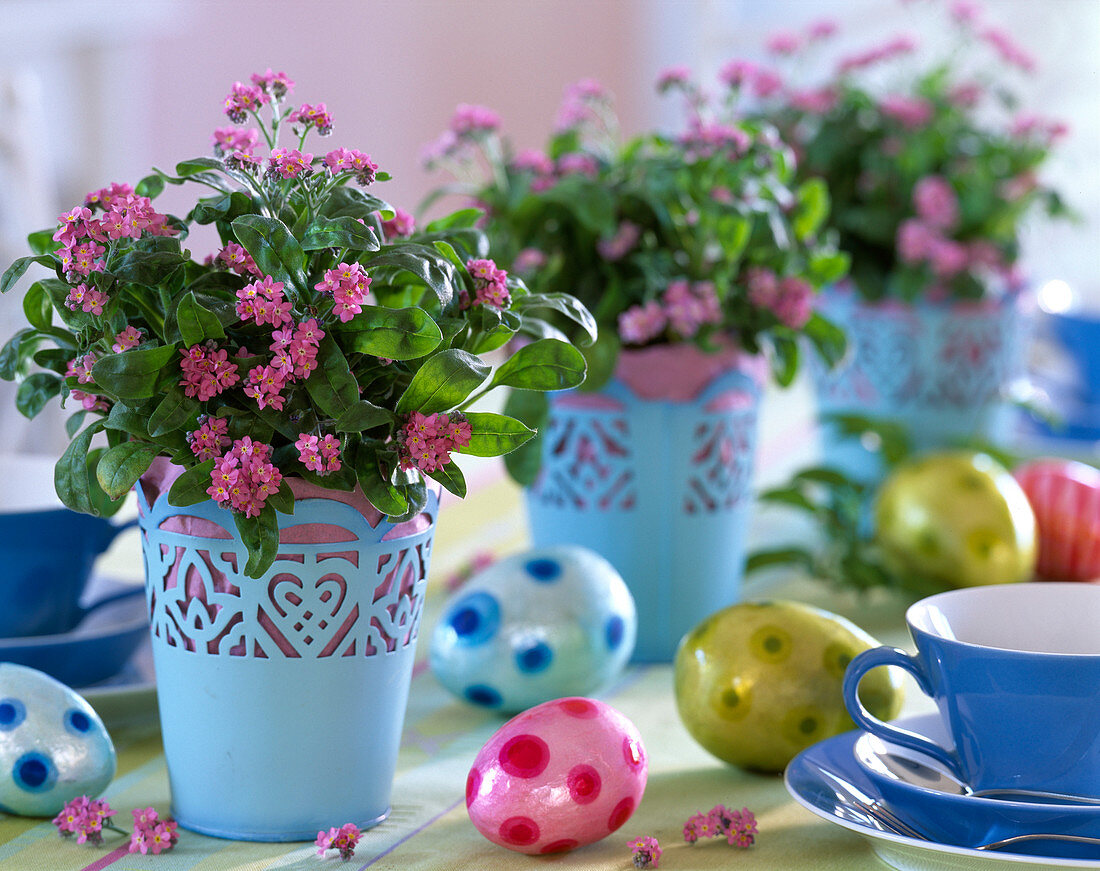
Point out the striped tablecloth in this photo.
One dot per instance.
(428, 827)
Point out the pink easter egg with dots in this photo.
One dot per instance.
(560, 775)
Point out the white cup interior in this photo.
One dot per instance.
(1037, 617)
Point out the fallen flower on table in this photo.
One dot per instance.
(738, 827)
(481, 560)
(646, 852)
(87, 818)
(343, 839)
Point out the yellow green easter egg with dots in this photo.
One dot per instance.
(758, 682)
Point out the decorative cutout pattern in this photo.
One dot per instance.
(588, 462)
(721, 462)
(355, 597)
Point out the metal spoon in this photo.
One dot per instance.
(874, 754)
(890, 822)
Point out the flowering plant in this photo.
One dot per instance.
(666, 239)
(325, 339)
(931, 168)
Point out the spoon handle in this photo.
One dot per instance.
(1033, 795)
(1019, 839)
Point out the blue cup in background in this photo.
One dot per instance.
(1014, 671)
(46, 551)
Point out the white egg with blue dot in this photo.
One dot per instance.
(53, 745)
(535, 626)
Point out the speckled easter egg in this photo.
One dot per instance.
(53, 746)
(564, 774)
(535, 626)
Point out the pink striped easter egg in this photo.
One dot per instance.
(1065, 496)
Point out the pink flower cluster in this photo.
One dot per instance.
(295, 359)
(317, 117)
(234, 257)
(349, 285)
(89, 299)
(80, 368)
(470, 120)
(402, 224)
(127, 339)
(243, 99)
(290, 163)
(490, 284)
(1009, 51)
(528, 260)
(678, 76)
(910, 112)
(211, 439)
(85, 818)
(277, 85)
(762, 82)
(584, 103)
(426, 441)
(924, 239)
(152, 833)
(738, 827)
(320, 455)
(705, 138)
(206, 371)
(546, 173)
(349, 160)
(789, 298)
(1046, 131)
(343, 839)
(684, 307)
(244, 477)
(645, 852)
(227, 140)
(618, 246)
(262, 301)
(896, 47)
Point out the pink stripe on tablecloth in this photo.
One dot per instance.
(411, 834)
(107, 860)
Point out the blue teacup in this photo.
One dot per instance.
(46, 558)
(1015, 672)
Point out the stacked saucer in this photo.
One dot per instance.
(880, 790)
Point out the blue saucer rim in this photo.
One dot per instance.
(25, 642)
(807, 764)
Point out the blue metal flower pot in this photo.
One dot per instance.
(661, 488)
(282, 699)
(943, 370)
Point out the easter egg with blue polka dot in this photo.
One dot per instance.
(535, 626)
(560, 775)
(53, 746)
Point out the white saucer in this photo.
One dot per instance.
(809, 783)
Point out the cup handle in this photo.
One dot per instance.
(873, 658)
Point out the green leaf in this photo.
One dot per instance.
(399, 334)
(443, 382)
(151, 268)
(564, 303)
(331, 385)
(784, 361)
(533, 409)
(424, 262)
(274, 248)
(812, 207)
(72, 425)
(190, 487)
(12, 354)
(762, 559)
(14, 272)
(460, 219)
(547, 364)
(375, 483)
(282, 500)
(124, 418)
(196, 323)
(38, 307)
(827, 338)
(198, 166)
(151, 186)
(600, 358)
(71, 476)
(362, 416)
(42, 242)
(224, 208)
(122, 465)
(172, 412)
(791, 496)
(35, 391)
(261, 537)
(493, 435)
(134, 374)
(451, 477)
(343, 232)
